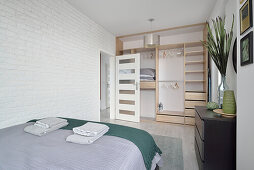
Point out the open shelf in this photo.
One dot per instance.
(147, 85)
(193, 44)
(195, 71)
(171, 113)
(165, 81)
(137, 50)
(192, 91)
(194, 62)
(170, 46)
(194, 81)
(194, 53)
(189, 96)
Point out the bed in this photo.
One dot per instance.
(120, 148)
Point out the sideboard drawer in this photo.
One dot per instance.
(200, 144)
(189, 112)
(192, 104)
(200, 162)
(189, 120)
(170, 119)
(199, 125)
(195, 96)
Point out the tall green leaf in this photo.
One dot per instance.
(218, 43)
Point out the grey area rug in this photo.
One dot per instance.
(172, 153)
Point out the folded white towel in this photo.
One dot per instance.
(49, 122)
(80, 139)
(42, 125)
(39, 131)
(90, 129)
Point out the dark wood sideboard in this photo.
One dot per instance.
(215, 140)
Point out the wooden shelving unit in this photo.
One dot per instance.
(170, 117)
(147, 85)
(193, 44)
(196, 97)
(194, 62)
(194, 81)
(136, 50)
(170, 46)
(194, 53)
(195, 71)
(192, 97)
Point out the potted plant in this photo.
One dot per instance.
(218, 46)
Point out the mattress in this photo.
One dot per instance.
(20, 150)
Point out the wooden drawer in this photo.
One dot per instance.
(149, 85)
(189, 121)
(200, 144)
(200, 162)
(170, 119)
(189, 112)
(200, 125)
(192, 104)
(195, 96)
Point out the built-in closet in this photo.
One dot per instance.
(180, 80)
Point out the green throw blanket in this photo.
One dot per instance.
(142, 139)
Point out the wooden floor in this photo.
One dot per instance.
(186, 133)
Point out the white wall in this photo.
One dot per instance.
(230, 10)
(181, 38)
(245, 116)
(49, 61)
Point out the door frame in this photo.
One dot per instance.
(112, 82)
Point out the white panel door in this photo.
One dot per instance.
(127, 87)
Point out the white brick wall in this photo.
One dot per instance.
(49, 61)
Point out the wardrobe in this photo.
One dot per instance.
(180, 67)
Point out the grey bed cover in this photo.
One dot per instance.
(22, 151)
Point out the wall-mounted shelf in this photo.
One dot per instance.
(165, 81)
(194, 91)
(194, 81)
(163, 47)
(194, 53)
(193, 44)
(170, 46)
(194, 62)
(137, 50)
(195, 71)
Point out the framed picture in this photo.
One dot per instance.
(246, 16)
(234, 56)
(246, 47)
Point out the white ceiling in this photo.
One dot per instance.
(122, 17)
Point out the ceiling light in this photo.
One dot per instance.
(151, 40)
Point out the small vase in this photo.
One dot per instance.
(222, 87)
(229, 104)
